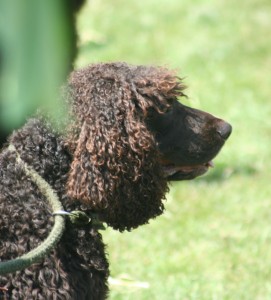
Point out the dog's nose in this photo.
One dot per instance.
(224, 129)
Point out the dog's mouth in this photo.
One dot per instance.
(173, 172)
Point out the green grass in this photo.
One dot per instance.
(214, 241)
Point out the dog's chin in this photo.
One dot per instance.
(174, 172)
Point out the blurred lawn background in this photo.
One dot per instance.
(214, 241)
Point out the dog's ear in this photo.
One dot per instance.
(112, 145)
(98, 137)
(88, 140)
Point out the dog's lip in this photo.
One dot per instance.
(172, 170)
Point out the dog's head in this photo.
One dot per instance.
(130, 136)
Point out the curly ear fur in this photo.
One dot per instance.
(115, 167)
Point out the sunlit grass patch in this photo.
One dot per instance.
(214, 240)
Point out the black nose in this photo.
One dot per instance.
(224, 129)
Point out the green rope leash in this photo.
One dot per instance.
(45, 247)
(76, 217)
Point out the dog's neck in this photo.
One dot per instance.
(48, 153)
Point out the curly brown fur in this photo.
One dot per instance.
(122, 145)
(77, 268)
(115, 150)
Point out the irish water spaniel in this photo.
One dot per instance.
(127, 137)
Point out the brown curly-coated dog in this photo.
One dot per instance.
(128, 136)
